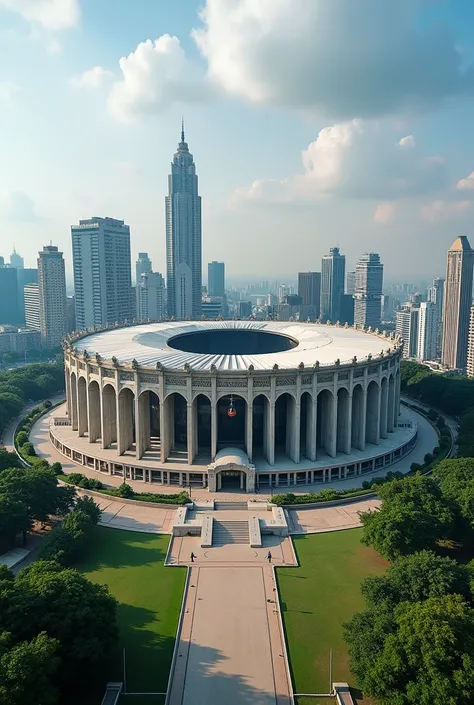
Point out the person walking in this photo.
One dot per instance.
(192, 557)
(269, 557)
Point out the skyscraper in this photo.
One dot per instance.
(32, 306)
(333, 270)
(16, 260)
(183, 237)
(142, 266)
(216, 279)
(457, 303)
(368, 290)
(309, 288)
(102, 272)
(407, 327)
(9, 312)
(427, 331)
(470, 346)
(151, 297)
(351, 283)
(436, 296)
(52, 296)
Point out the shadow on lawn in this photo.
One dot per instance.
(123, 549)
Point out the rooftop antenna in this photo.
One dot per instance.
(182, 129)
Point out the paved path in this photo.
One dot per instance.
(323, 519)
(231, 649)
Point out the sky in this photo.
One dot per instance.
(313, 124)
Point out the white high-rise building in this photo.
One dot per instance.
(102, 272)
(436, 296)
(427, 331)
(52, 296)
(368, 291)
(407, 328)
(32, 306)
(151, 297)
(183, 237)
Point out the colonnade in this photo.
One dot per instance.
(330, 420)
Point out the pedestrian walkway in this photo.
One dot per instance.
(231, 647)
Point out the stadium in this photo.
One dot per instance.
(233, 405)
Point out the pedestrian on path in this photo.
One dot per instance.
(192, 557)
(269, 557)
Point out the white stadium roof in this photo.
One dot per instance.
(148, 344)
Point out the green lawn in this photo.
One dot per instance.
(317, 598)
(149, 596)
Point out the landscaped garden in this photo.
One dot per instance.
(317, 598)
(149, 597)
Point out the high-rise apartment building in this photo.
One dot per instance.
(407, 327)
(309, 288)
(102, 272)
(216, 279)
(32, 306)
(9, 313)
(457, 303)
(183, 237)
(368, 291)
(333, 270)
(470, 346)
(427, 331)
(151, 297)
(52, 296)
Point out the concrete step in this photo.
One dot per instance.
(225, 506)
(227, 532)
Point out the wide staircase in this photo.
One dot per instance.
(225, 532)
(224, 506)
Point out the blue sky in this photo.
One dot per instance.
(312, 123)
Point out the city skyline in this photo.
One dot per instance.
(398, 176)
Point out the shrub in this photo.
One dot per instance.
(29, 449)
(57, 468)
(125, 491)
(89, 507)
(428, 458)
(21, 438)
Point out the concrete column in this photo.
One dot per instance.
(348, 445)
(213, 431)
(372, 433)
(108, 416)
(397, 398)
(94, 412)
(164, 430)
(68, 392)
(383, 410)
(391, 406)
(81, 406)
(190, 433)
(270, 433)
(125, 401)
(363, 420)
(249, 430)
(296, 435)
(332, 426)
(311, 428)
(73, 417)
(142, 423)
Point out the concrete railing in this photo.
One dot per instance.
(206, 532)
(255, 537)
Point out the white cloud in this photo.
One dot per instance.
(96, 77)
(346, 58)
(440, 210)
(7, 91)
(51, 15)
(354, 160)
(466, 184)
(156, 74)
(384, 213)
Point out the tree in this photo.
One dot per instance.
(14, 519)
(26, 669)
(414, 516)
(8, 460)
(38, 489)
(80, 614)
(456, 478)
(426, 656)
(88, 506)
(415, 578)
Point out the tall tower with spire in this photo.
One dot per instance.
(457, 304)
(183, 236)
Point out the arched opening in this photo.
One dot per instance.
(383, 408)
(286, 435)
(203, 425)
(344, 411)
(326, 427)
(397, 398)
(372, 423)
(109, 416)
(82, 406)
(126, 421)
(179, 422)
(73, 386)
(391, 405)
(94, 412)
(306, 425)
(231, 418)
(259, 426)
(154, 421)
(358, 418)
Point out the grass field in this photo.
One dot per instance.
(149, 596)
(317, 598)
